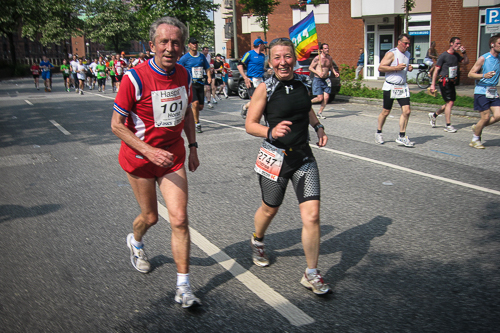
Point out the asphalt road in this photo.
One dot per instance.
(410, 236)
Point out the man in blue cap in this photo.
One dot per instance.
(254, 61)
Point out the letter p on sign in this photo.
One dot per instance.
(493, 16)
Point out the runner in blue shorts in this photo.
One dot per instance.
(45, 65)
(486, 72)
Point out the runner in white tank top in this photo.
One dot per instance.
(396, 65)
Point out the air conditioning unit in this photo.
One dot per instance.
(385, 20)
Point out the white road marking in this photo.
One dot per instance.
(389, 165)
(292, 313)
(28, 102)
(100, 95)
(59, 127)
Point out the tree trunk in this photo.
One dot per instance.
(12, 47)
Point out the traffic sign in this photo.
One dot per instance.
(492, 16)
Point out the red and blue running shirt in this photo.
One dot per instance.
(154, 103)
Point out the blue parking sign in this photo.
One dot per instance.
(492, 15)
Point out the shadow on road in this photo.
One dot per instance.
(11, 212)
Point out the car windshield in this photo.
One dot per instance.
(233, 64)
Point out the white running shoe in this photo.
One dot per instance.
(404, 141)
(138, 256)
(432, 119)
(185, 296)
(450, 129)
(320, 115)
(315, 283)
(379, 138)
(258, 254)
(476, 144)
(210, 106)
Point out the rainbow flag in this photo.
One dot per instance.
(304, 36)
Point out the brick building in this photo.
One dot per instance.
(347, 25)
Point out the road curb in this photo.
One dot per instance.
(458, 111)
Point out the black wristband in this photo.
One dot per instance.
(318, 126)
(270, 134)
(194, 144)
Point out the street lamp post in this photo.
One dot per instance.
(88, 53)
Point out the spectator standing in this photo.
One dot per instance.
(361, 62)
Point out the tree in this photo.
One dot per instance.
(11, 17)
(55, 22)
(49, 21)
(111, 22)
(261, 9)
(193, 13)
(408, 5)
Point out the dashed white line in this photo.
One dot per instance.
(28, 102)
(59, 127)
(292, 313)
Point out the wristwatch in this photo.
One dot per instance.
(317, 127)
(194, 144)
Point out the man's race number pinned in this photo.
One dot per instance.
(169, 106)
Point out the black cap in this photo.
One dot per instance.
(193, 40)
(218, 55)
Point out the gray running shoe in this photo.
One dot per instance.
(320, 115)
(404, 141)
(138, 256)
(315, 283)
(210, 106)
(432, 120)
(198, 128)
(450, 129)
(185, 296)
(379, 138)
(258, 255)
(243, 111)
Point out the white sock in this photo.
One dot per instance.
(311, 271)
(136, 243)
(475, 137)
(182, 279)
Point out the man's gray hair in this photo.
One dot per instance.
(170, 21)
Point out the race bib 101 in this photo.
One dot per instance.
(269, 161)
(169, 106)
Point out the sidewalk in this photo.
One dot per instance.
(462, 90)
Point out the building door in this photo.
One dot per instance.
(385, 44)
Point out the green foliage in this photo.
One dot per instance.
(261, 9)
(355, 88)
(193, 13)
(111, 22)
(423, 97)
(56, 20)
(351, 87)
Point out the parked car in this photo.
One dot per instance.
(235, 82)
